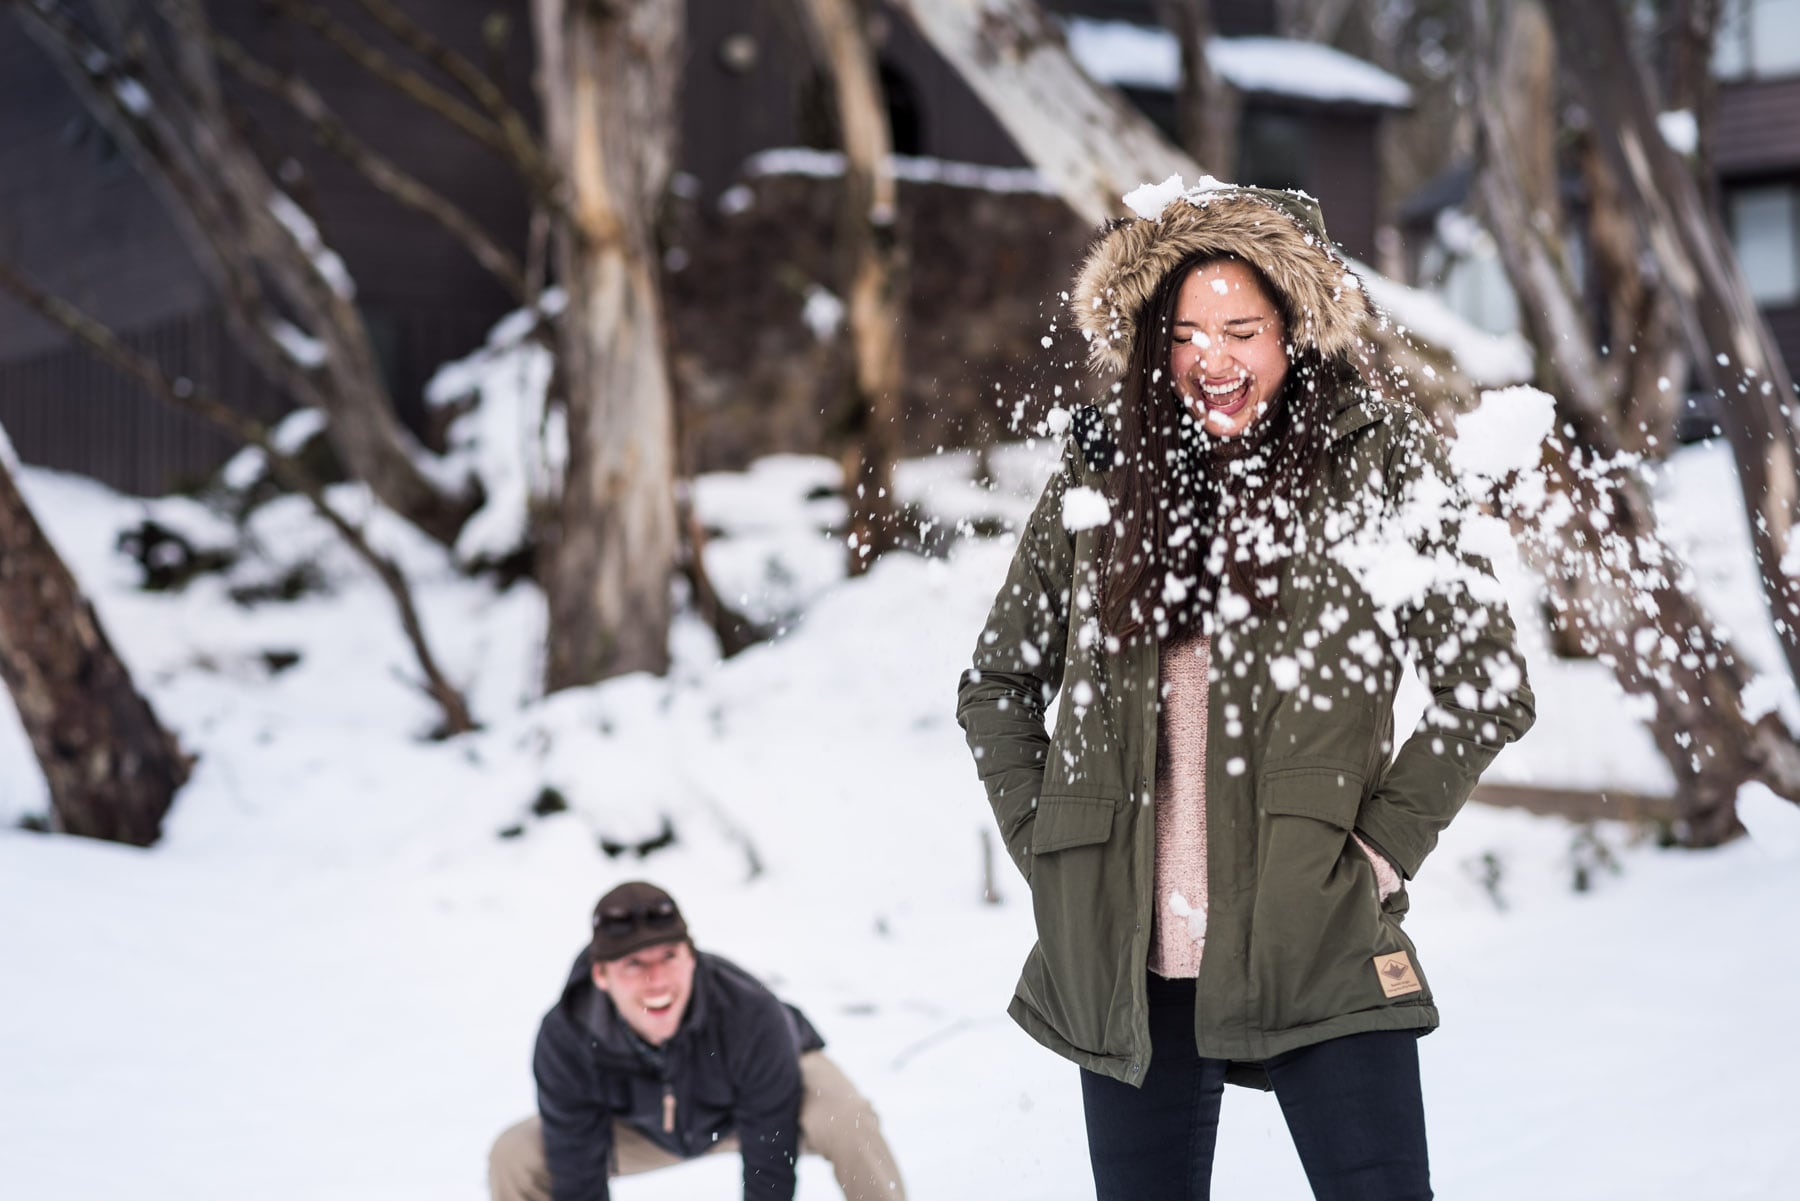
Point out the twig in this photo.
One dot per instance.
(527, 149)
(423, 92)
(181, 394)
(377, 168)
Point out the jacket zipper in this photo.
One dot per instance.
(668, 1108)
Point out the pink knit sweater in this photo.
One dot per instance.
(1179, 936)
(1180, 932)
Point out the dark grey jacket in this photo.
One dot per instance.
(732, 1068)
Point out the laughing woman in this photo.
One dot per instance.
(1222, 580)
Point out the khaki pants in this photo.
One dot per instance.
(835, 1122)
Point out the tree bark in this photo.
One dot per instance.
(1730, 342)
(1517, 191)
(867, 422)
(1205, 108)
(113, 770)
(1689, 36)
(609, 81)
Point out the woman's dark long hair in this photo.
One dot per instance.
(1196, 517)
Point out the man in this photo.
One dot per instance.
(658, 1053)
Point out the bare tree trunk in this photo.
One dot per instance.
(285, 295)
(112, 769)
(866, 426)
(1642, 326)
(1691, 31)
(1205, 107)
(1620, 595)
(1518, 195)
(608, 77)
(1614, 587)
(1727, 336)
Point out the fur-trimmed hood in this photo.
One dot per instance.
(1281, 233)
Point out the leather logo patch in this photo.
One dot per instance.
(1396, 975)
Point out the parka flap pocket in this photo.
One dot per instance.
(1067, 821)
(1326, 792)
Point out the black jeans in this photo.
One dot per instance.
(1352, 1104)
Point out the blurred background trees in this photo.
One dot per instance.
(842, 226)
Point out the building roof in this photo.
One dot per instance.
(1145, 56)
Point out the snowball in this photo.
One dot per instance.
(823, 312)
(1284, 673)
(1679, 130)
(1084, 509)
(1505, 434)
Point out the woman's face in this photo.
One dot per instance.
(1229, 355)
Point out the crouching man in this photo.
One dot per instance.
(658, 1053)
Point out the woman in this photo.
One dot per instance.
(1221, 580)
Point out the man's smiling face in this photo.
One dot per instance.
(650, 988)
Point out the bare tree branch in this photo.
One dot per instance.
(280, 286)
(527, 158)
(180, 393)
(381, 171)
(527, 148)
(864, 420)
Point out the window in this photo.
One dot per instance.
(1767, 241)
(1758, 38)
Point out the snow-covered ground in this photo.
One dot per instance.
(324, 983)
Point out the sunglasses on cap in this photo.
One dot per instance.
(618, 920)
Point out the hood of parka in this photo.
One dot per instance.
(1281, 233)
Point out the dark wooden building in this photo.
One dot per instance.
(75, 216)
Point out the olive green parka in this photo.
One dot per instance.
(1299, 947)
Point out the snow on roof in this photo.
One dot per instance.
(1143, 56)
(827, 164)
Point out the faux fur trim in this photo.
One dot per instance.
(1281, 233)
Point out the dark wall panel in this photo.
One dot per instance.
(1757, 127)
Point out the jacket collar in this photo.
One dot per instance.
(1356, 410)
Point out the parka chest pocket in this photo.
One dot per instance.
(1324, 789)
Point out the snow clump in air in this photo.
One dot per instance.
(823, 312)
(1505, 434)
(1084, 509)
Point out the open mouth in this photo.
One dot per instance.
(1226, 399)
(659, 1005)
